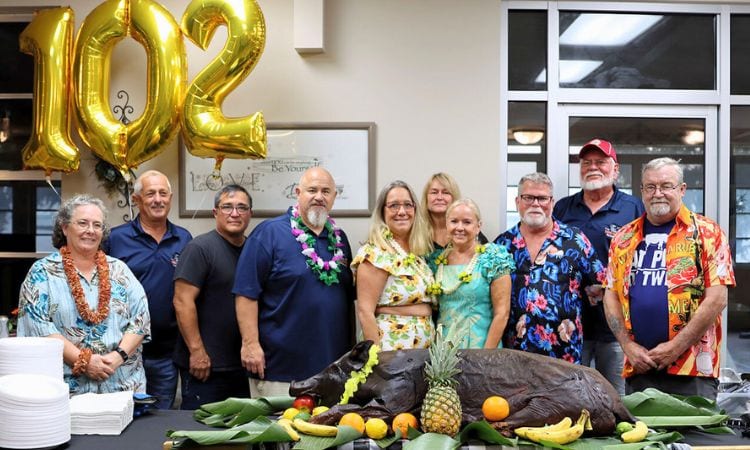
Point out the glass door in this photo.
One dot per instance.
(640, 134)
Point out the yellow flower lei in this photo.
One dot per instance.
(358, 377)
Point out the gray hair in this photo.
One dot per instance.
(138, 185)
(65, 214)
(658, 163)
(536, 178)
(231, 189)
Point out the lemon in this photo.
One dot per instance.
(376, 428)
(319, 410)
(289, 413)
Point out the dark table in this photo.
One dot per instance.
(149, 432)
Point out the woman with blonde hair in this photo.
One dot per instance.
(472, 280)
(393, 279)
(439, 192)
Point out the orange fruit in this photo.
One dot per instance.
(495, 408)
(403, 421)
(354, 420)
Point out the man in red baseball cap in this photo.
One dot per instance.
(599, 210)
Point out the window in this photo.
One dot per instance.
(526, 148)
(637, 51)
(28, 202)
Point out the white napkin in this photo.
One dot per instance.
(101, 413)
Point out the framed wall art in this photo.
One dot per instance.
(347, 150)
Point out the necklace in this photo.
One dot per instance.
(464, 276)
(327, 271)
(410, 259)
(102, 268)
(360, 376)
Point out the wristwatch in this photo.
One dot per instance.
(122, 353)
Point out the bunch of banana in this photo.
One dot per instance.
(563, 432)
(314, 429)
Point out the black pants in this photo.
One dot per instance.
(673, 384)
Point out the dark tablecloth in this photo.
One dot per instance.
(149, 432)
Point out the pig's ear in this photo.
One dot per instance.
(361, 351)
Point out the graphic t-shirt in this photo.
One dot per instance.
(649, 312)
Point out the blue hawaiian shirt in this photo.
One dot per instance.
(46, 306)
(546, 303)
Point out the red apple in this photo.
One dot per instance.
(304, 403)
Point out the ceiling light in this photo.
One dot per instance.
(526, 137)
(571, 71)
(694, 137)
(607, 29)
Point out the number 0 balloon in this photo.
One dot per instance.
(127, 146)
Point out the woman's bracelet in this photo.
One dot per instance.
(79, 367)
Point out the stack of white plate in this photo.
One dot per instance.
(32, 355)
(34, 411)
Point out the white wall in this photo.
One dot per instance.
(425, 71)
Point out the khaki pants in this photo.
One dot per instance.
(264, 388)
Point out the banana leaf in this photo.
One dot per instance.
(682, 421)
(432, 441)
(345, 435)
(262, 429)
(388, 440)
(237, 411)
(653, 402)
(484, 431)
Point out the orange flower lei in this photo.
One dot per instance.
(102, 268)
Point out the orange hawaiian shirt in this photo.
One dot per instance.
(694, 239)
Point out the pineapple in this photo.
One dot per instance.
(441, 408)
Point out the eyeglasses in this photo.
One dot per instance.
(85, 225)
(543, 200)
(394, 207)
(664, 188)
(594, 162)
(241, 209)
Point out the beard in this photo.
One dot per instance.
(597, 184)
(535, 221)
(658, 209)
(317, 216)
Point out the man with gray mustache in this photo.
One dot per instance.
(666, 289)
(599, 209)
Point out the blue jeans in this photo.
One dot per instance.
(607, 358)
(161, 380)
(218, 387)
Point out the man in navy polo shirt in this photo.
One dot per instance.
(151, 245)
(599, 210)
(294, 291)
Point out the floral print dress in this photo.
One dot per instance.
(471, 304)
(408, 280)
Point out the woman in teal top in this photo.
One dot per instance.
(472, 281)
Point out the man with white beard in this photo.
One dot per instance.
(554, 264)
(294, 291)
(599, 209)
(666, 289)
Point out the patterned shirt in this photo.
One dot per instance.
(46, 307)
(407, 282)
(697, 256)
(546, 302)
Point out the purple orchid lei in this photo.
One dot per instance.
(327, 271)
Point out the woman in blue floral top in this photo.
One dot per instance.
(394, 307)
(472, 281)
(88, 300)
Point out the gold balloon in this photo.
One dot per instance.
(206, 131)
(150, 24)
(49, 38)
